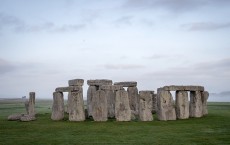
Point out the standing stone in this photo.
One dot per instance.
(154, 102)
(205, 96)
(110, 95)
(182, 105)
(122, 108)
(68, 102)
(145, 106)
(90, 92)
(165, 104)
(27, 106)
(58, 108)
(133, 98)
(31, 107)
(195, 106)
(76, 106)
(99, 106)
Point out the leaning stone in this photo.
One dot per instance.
(31, 106)
(76, 107)
(145, 106)
(90, 92)
(133, 98)
(182, 105)
(204, 98)
(99, 106)
(195, 106)
(126, 84)
(122, 108)
(110, 95)
(165, 105)
(14, 117)
(68, 89)
(27, 118)
(27, 106)
(58, 108)
(111, 87)
(76, 82)
(99, 82)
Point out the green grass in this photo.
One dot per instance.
(211, 130)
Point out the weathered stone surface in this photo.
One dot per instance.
(68, 89)
(111, 87)
(182, 105)
(90, 92)
(31, 106)
(58, 106)
(126, 84)
(195, 106)
(154, 103)
(26, 118)
(133, 98)
(99, 106)
(122, 108)
(183, 88)
(76, 82)
(134, 115)
(76, 106)
(204, 98)
(99, 82)
(14, 117)
(145, 106)
(110, 95)
(165, 106)
(27, 106)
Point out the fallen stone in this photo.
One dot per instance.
(27, 118)
(31, 107)
(133, 98)
(145, 106)
(68, 89)
(58, 108)
(182, 88)
(126, 84)
(205, 96)
(182, 105)
(14, 117)
(165, 105)
(76, 82)
(122, 108)
(111, 87)
(76, 107)
(195, 106)
(99, 82)
(99, 106)
(90, 92)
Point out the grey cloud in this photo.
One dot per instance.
(123, 66)
(7, 20)
(127, 20)
(5, 66)
(205, 26)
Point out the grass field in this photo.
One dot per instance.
(210, 130)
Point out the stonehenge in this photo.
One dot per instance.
(122, 101)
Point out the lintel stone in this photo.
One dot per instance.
(99, 82)
(76, 82)
(182, 88)
(68, 89)
(111, 87)
(127, 84)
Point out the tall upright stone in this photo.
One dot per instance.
(31, 107)
(110, 95)
(205, 96)
(90, 92)
(122, 108)
(58, 108)
(154, 109)
(145, 106)
(27, 106)
(76, 106)
(133, 98)
(99, 106)
(182, 105)
(195, 106)
(165, 104)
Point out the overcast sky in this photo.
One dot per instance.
(43, 44)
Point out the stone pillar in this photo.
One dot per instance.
(110, 95)
(31, 106)
(182, 105)
(165, 104)
(58, 108)
(205, 96)
(90, 92)
(195, 106)
(133, 98)
(99, 106)
(145, 106)
(154, 102)
(76, 106)
(122, 108)
(27, 106)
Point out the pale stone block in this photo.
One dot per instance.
(133, 98)
(182, 105)
(99, 82)
(76, 82)
(90, 92)
(58, 108)
(195, 106)
(145, 106)
(126, 84)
